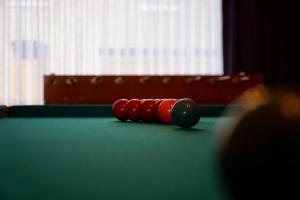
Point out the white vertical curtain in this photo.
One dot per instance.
(101, 37)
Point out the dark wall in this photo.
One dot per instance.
(260, 36)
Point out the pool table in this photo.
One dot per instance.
(83, 152)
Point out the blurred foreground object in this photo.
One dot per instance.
(260, 150)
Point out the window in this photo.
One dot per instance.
(104, 37)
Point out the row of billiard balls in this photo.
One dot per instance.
(182, 112)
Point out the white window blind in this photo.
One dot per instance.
(100, 37)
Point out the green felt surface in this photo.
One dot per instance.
(101, 158)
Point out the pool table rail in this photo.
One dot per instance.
(89, 110)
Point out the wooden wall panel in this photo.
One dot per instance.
(106, 89)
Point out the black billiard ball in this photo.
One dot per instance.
(185, 113)
(260, 154)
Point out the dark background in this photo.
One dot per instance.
(260, 36)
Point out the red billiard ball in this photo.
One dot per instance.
(5, 111)
(119, 109)
(156, 106)
(133, 110)
(165, 109)
(147, 110)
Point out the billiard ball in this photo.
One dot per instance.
(260, 154)
(119, 109)
(4, 111)
(156, 106)
(164, 110)
(147, 110)
(185, 113)
(133, 111)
